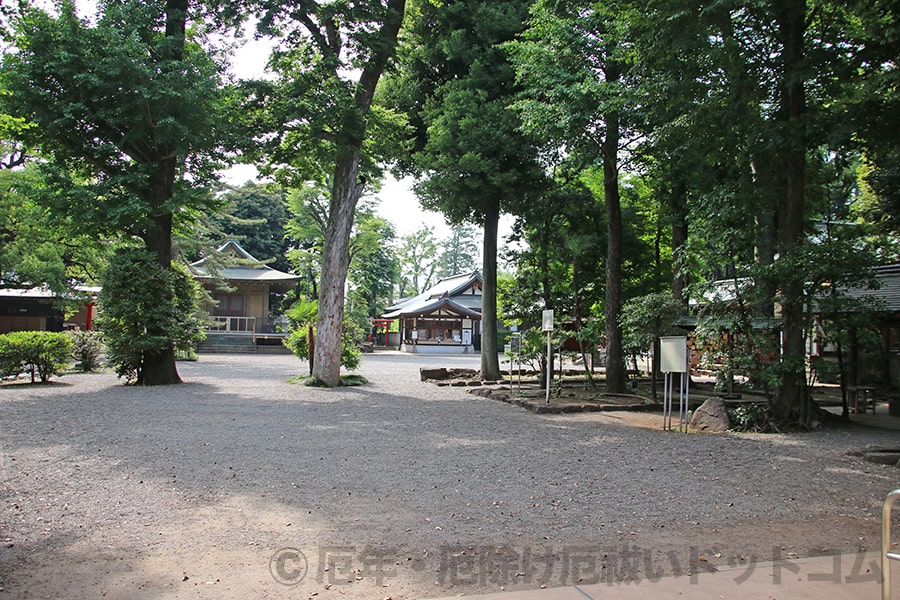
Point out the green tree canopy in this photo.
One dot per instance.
(317, 121)
(38, 247)
(473, 159)
(418, 254)
(459, 252)
(129, 113)
(374, 266)
(576, 73)
(769, 103)
(255, 215)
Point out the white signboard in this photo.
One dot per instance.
(673, 354)
(547, 320)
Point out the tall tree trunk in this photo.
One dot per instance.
(842, 373)
(678, 206)
(791, 22)
(546, 291)
(345, 193)
(765, 244)
(490, 360)
(765, 256)
(615, 359)
(576, 314)
(159, 368)
(311, 347)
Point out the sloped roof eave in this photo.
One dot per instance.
(253, 274)
(464, 284)
(438, 290)
(425, 308)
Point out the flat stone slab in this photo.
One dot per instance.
(435, 374)
(883, 457)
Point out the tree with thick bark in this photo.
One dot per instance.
(318, 122)
(762, 99)
(128, 114)
(791, 23)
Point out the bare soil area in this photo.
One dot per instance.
(238, 484)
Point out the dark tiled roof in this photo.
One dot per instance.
(447, 287)
(258, 273)
(888, 277)
(426, 307)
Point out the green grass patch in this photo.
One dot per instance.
(346, 380)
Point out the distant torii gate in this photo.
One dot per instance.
(378, 324)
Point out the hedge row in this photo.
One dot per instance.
(40, 353)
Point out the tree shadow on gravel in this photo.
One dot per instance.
(363, 467)
(18, 385)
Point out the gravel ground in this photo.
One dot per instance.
(239, 484)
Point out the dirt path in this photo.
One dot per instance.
(240, 485)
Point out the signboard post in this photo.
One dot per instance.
(547, 325)
(515, 349)
(673, 358)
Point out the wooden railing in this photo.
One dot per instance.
(234, 325)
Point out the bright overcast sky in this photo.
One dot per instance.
(397, 203)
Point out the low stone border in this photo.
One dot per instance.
(462, 383)
(880, 456)
(556, 406)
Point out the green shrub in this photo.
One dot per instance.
(749, 416)
(352, 335)
(10, 363)
(40, 353)
(297, 341)
(301, 331)
(348, 380)
(302, 315)
(145, 310)
(87, 346)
